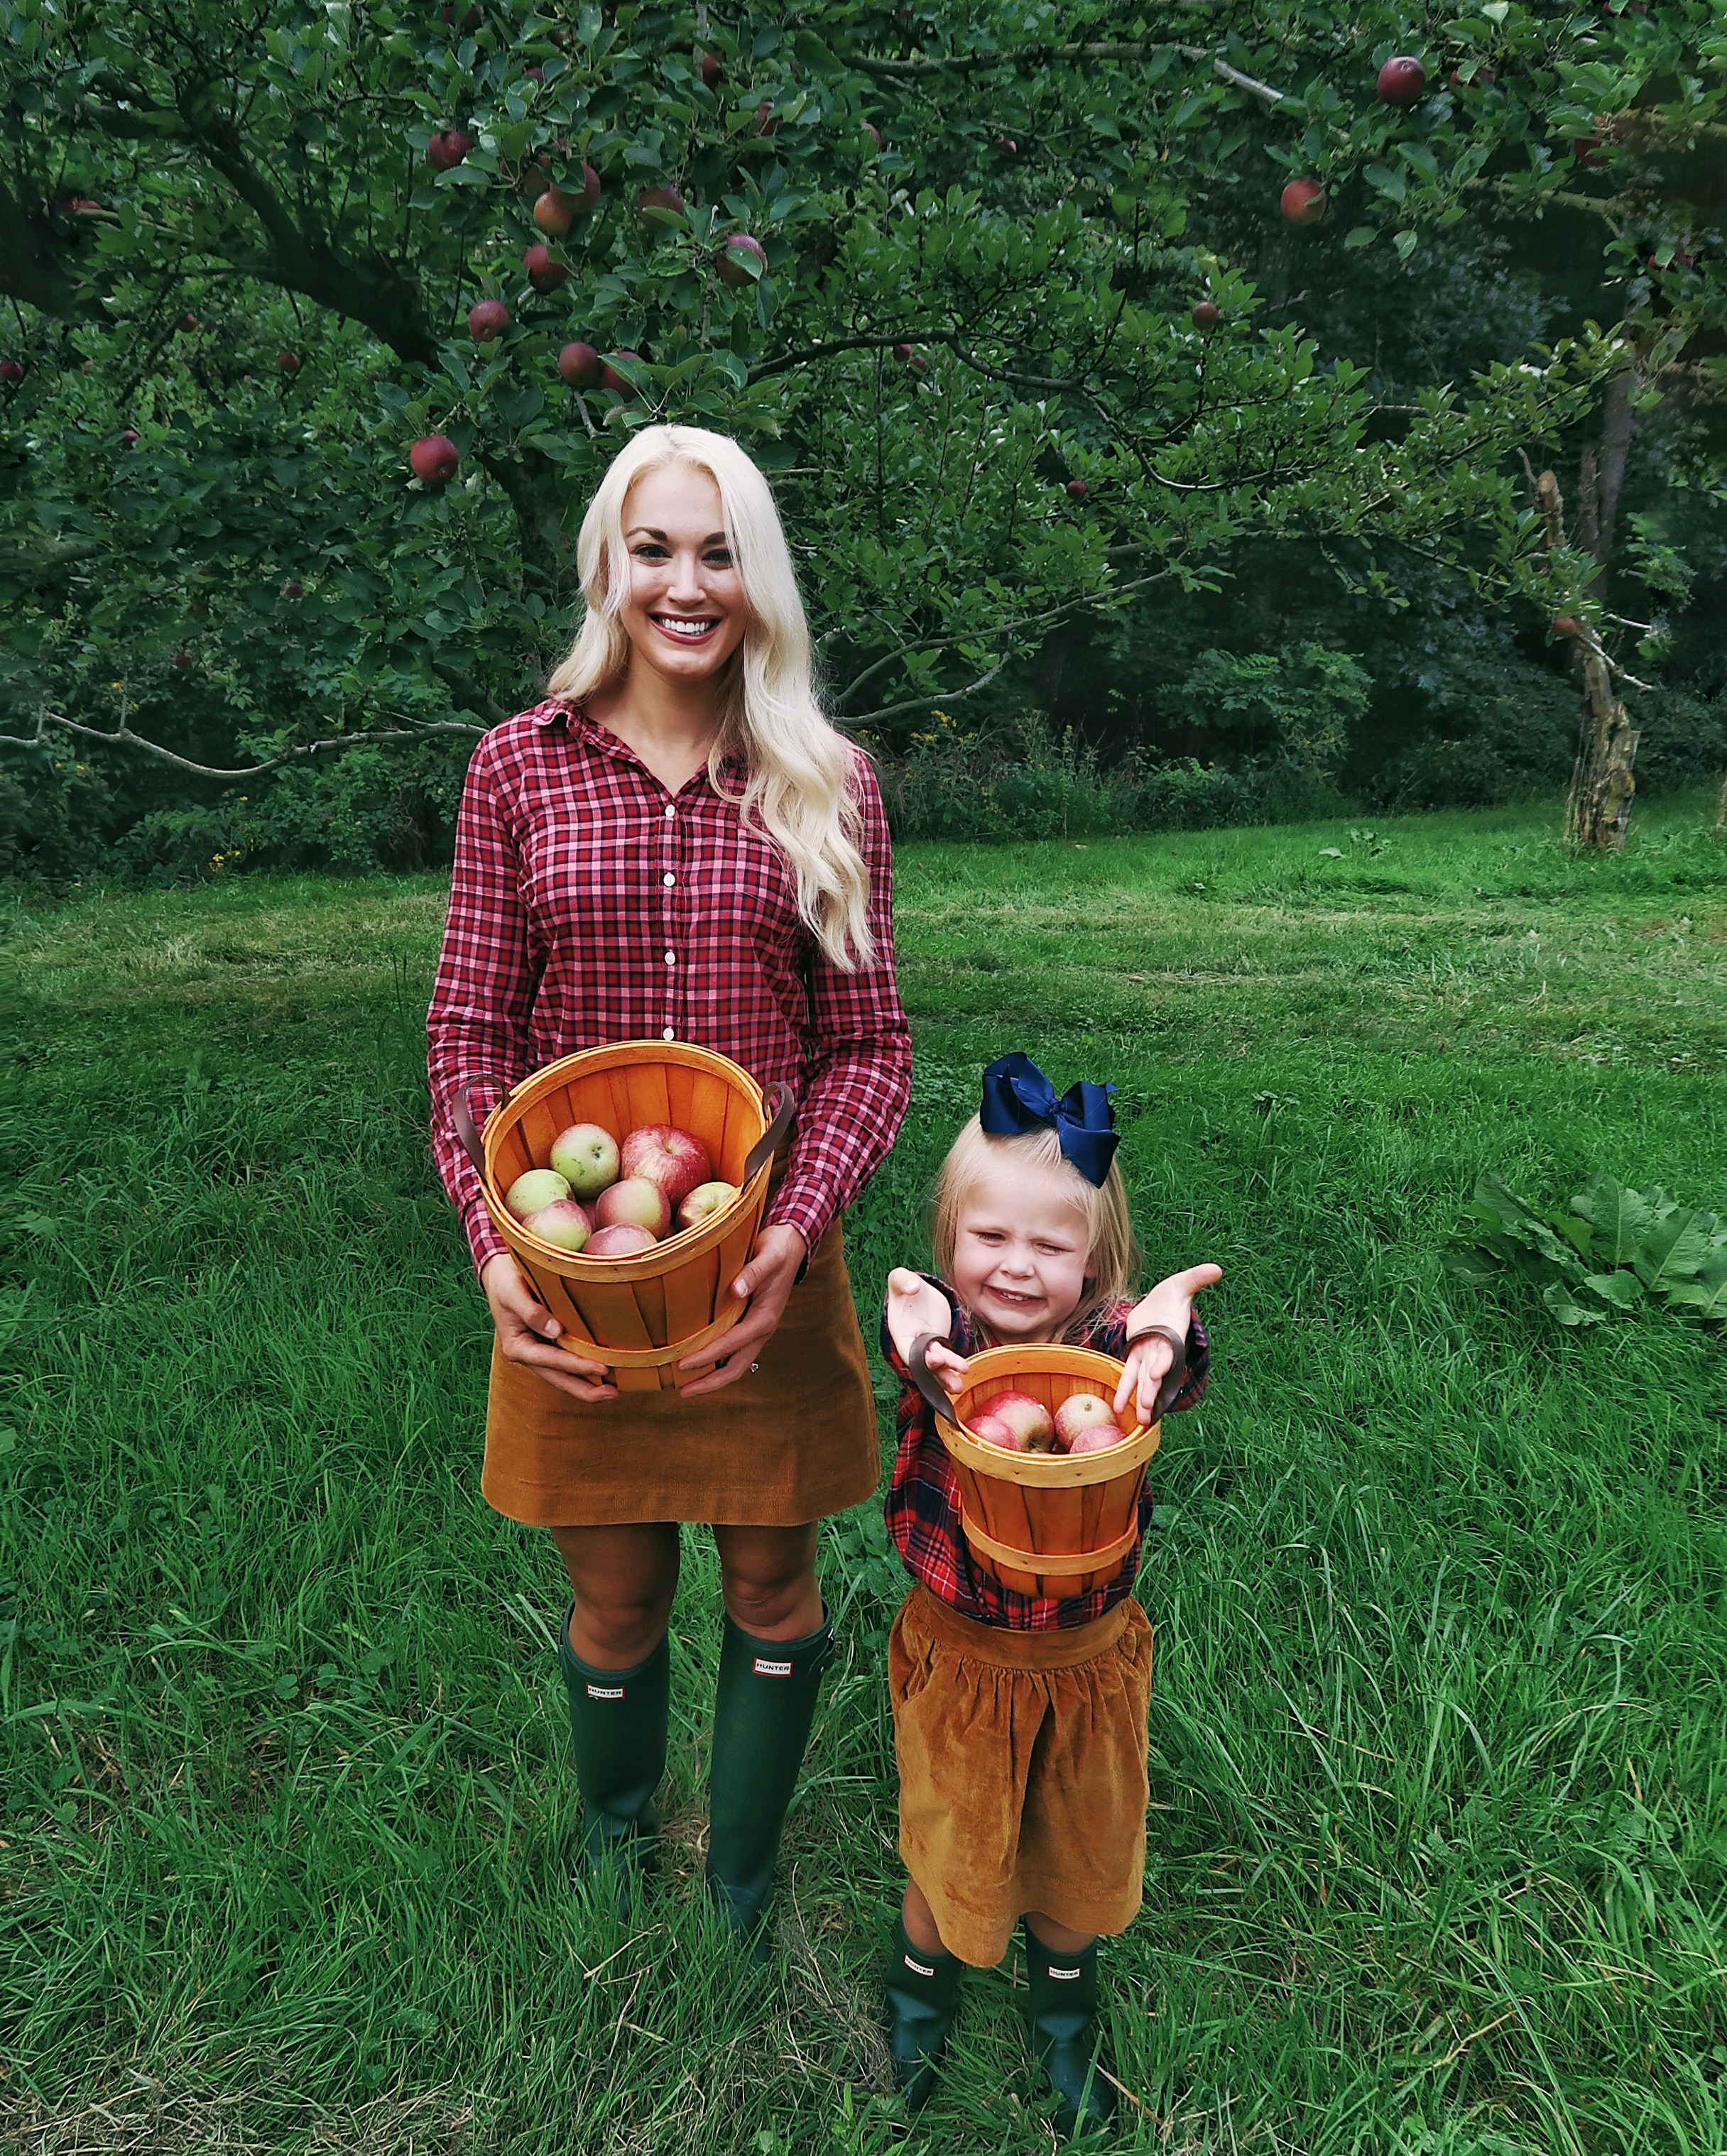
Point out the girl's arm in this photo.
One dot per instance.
(1149, 1361)
(915, 1306)
(857, 1074)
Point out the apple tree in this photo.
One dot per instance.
(326, 320)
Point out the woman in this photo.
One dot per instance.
(677, 845)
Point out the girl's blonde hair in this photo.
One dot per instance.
(800, 783)
(1112, 1253)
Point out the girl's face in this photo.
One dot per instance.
(1019, 1252)
(685, 613)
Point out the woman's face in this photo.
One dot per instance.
(1019, 1252)
(686, 614)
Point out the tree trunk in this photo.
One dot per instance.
(1598, 807)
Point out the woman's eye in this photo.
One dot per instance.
(719, 559)
(651, 553)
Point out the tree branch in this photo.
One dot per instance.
(124, 738)
(970, 62)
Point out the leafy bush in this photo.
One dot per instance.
(1288, 714)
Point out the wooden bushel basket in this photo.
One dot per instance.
(642, 1313)
(1043, 1523)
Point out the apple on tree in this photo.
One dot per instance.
(11, 370)
(742, 260)
(543, 272)
(610, 377)
(1205, 315)
(713, 72)
(653, 202)
(447, 149)
(633, 1203)
(586, 1157)
(288, 362)
(581, 366)
(435, 458)
(488, 320)
(674, 1161)
(1303, 202)
(1402, 81)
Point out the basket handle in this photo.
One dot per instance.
(935, 1393)
(1175, 1376)
(779, 1129)
(461, 1114)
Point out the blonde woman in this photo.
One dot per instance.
(677, 845)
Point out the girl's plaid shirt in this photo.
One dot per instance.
(588, 905)
(922, 1505)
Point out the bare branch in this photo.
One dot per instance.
(968, 62)
(923, 703)
(123, 737)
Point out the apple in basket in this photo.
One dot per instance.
(633, 1203)
(620, 1240)
(1033, 1429)
(993, 1430)
(1080, 1411)
(703, 1202)
(563, 1224)
(586, 1157)
(662, 1154)
(532, 1193)
(1097, 1437)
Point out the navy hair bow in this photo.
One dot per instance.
(1018, 1098)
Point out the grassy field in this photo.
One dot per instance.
(1438, 1760)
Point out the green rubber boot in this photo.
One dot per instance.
(922, 1998)
(1066, 2038)
(617, 1726)
(762, 1708)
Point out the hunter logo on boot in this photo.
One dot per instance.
(917, 1968)
(606, 1692)
(764, 1668)
(1060, 1975)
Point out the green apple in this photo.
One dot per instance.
(586, 1157)
(540, 1186)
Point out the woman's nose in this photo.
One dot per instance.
(685, 578)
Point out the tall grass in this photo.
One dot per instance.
(1439, 1779)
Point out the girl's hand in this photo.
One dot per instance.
(914, 1308)
(1150, 1361)
(527, 1328)
(767, 1280)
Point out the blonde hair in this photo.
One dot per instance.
(801, 783)
(1112, 1253)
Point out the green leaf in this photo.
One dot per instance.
(1621, 1218)
(1707, 1295)
(1623, 1290)
(1363, 235)
(1406, 243)
(1674, 1249)
(1567, 1308)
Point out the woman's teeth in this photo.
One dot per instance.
(679, 626)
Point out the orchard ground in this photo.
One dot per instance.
(1438, 1765)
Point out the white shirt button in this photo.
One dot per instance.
(671, 808)
(668, 879)
(669, 1034)
(671, 957)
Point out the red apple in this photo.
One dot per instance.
(535, 73)
(544, 273)
(488, 320)
(1098, 1438)
(535, 1189)
(288, 362)
(1077, 489)
(293, 589)
(713, 71)
(993, 1430)
(588, 193)
(874, 133)
(1402, 81)
(703, 1202)
(620, 1240)
(666, 199)
(610, 377)
(555, 211)
(633, 1203)
(127, 439)
(672, 1160)
(737, 255)
(586, 1157)
(447, 148)
(1028, 1419)
(181, 661)
(1567, 625)
(10, 371)
(580, 364)
(1006, 147)
(1080, 1411)
(766, 123)
(435, 458)
(1205, 315)
(563, 1224)
(1482, 79)
(1303, 202)
(188, 321)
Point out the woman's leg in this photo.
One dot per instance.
(776, 1643)
(624, 1579)
(617, 1672)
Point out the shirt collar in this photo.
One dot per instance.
(573, 711)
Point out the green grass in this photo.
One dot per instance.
(1438, 1768)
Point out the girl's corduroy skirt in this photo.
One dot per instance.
(790, 1444)
(1021, 1770)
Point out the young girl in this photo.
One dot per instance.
(1019, 1721)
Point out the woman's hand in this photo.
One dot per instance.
(914, 1308)
(526, 1329)
(766, 1280)
(1149, 1361)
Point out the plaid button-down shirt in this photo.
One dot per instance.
(922, 1505)
(588, 905)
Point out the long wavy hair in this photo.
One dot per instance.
(799, 784)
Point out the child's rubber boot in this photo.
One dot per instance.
(1067, 2038)
(618, 1731)
(762, 1708)
(922, 1998)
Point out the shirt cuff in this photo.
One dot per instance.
(484, 1240)
(806, 1209)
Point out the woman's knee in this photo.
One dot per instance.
(770, 1580)
(623, 1587)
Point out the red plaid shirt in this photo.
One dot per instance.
(589, 906)
(923, 1500)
